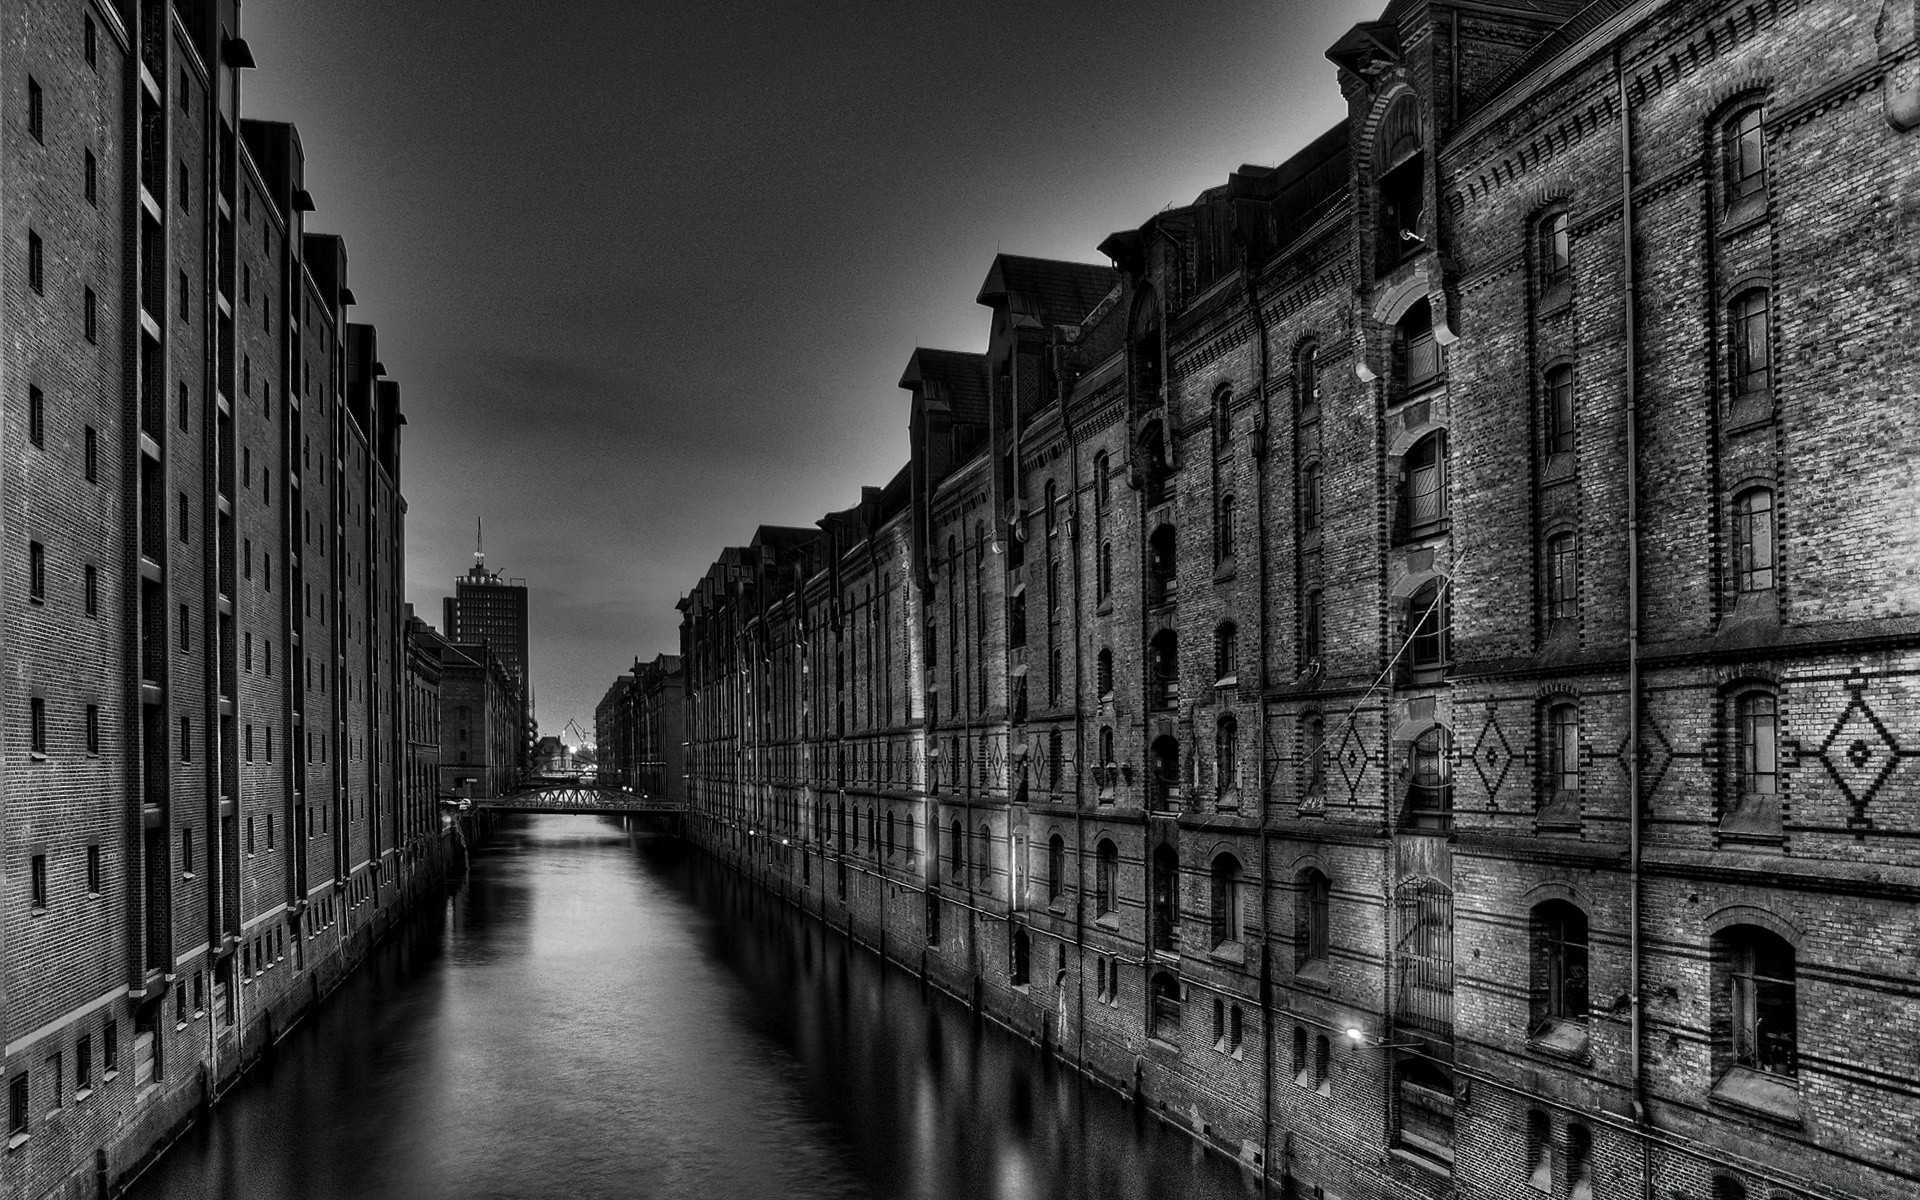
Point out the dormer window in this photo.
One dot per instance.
(1401, 184)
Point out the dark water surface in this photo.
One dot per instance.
(597, 1014)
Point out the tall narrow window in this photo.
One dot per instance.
(1430, 797)
(1106, 879)
(90, 315)
(1419, 350)
(1560, 410)
(1753, 539)
(1226, 900)
(1103, 573)
(1756, 745)
(1746, 156)
(1226, 652)
(1761, 1000)
(1165, 896)
(1056, 867)
(36, 110)
(1223, 530)
(1102, 480)
(1164, 662)
(36, 263)
(1313, 767)
(1306, 382)
(1752, 357)
(90, 585)
(1165, 1013)
(93, 733)
(1556, 258)
(1226, 756)
(1427, 623)
(1559, 976)
(1561, 775)
(1311, 922)
(90, 178)
(37, 725)
(1313, 626)
(36, 572)
(1562, 578)
(1310, 499)
(37, 417)
(1103, 673)
(1423, 485)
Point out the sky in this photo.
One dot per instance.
(649, 273)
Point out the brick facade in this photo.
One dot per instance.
(202, 821)
(1244, 688)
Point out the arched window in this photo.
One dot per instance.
(1559, 976)
(1226, 755)
(1306, 382)
(1223, 530)
(1107, 762)
(1579, 1162)
(1163, 564)
(1226, 651)
(957, 849)
(1106, 879)
(1419, 354)
(1753, 539)
(1312, 626)
(1102, 480)
(1312, 919)
(1313, 760)
(1164, 663)
(1563, 574)
(1752, 353)
(1430, 797)
(1223, 421)
(1020, 950)
(1103, 673)
(1165, 1015)
(1556, 257)
(1746, 155)
(1017, 617)
(1322, 1064)
(1165, 896)
(1726, 1187)
(1103, 575)
(1053, 503)
(1226, 899)
(983, 859)
(1423, 486)
(1310, 498)
(1559, 415)
(1165, 783)
(1560, 768)
(1539, 1151)
(1756, 746)
(1301, 1065)
(1056, 867)
(1427, 623)
(1757, 998)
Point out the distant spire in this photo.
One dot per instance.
(479, 544)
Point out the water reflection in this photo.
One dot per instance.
(601, 1015)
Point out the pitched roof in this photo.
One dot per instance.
(1057, 292)
(961, 380)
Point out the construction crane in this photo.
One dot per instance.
(573, 727)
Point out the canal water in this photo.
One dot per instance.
(600, 1014)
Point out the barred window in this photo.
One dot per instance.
(1756, 744)
(1562, 578)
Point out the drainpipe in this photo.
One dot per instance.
(1636, 1005)
(1249, 268)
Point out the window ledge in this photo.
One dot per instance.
(18, 1140)
(1744, 214)
(1108, 920)
(1232, 952)
(1759, 1093)
(1161, 1044)
(1427, 1157)
(1557, 298)
(1225, 570)
(107, 1077)
(1315, 973)
(37, 755)
(1564, 1040)
(82, 1094)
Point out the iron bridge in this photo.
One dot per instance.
(572, 797)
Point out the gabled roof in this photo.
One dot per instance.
(957, 377)
(1054, 291)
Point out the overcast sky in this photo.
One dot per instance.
(649, 273)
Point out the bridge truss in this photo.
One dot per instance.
(579, 798)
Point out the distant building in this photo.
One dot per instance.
(481, 747)
(421, 698)
(640, 726)
(488, 609)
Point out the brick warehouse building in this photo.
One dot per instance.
(639, 729)
(1417, 692)
(202, 820)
